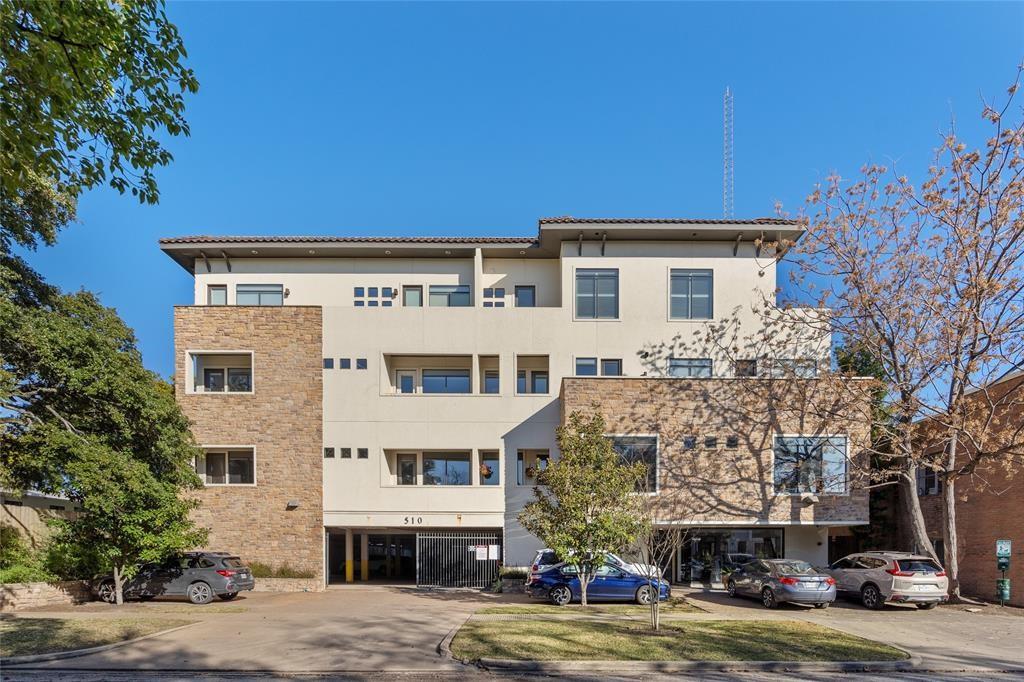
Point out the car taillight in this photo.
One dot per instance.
(940, 574)
(830, 581)
(226, 573)
(788, 581)
(535, 568)
(898, 573)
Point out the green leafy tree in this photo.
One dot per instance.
(586, 503)
(88, 87)
(81, 417)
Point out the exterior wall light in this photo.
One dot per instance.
(292, 504)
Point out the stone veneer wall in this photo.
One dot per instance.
(18, 596)
(721, 484)
(282, 419)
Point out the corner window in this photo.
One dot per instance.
(446, 381)
(216, 294)
(611, 368)
(449, 296)
(259, 294)
(412, 296)
(446, 469)
(810, 464)
(232, 467)
(586, 367)
(597, 294)
(689, 367)
(526, 296)
(643, 449)
(690, 295)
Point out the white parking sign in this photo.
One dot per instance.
(1002, 548)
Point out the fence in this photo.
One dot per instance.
(457, 559)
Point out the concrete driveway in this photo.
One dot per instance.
(348, 629)
(947, 638)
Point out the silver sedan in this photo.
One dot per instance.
(775, 581)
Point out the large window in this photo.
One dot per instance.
(810, 464)
(597, 294)
(526, 296)
(640, 449)
(446, 469)
(449, 296)
(446, 381)
(259, 294)
(232, 467)
(221, 372)
(689, 367)
(690, 295)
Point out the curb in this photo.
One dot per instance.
(74, 653)
(911, 664)
(444, 647)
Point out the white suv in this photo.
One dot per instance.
(901, 577)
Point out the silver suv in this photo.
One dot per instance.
(901, 577)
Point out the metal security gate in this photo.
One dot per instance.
(457, 558)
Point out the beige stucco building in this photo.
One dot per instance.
(379, 406)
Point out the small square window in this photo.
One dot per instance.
(372, 291)
(359, 291)
(711, 441)
(586, 367)
(386, 292)
(611, 368)
(328, 453)
(360, 304)
(689, 442)
(372, 303)
(499, 292)
(386, 303)
(360, 363)
(346, 453)
(328, 363)
(344, 363)
(732, 442)
(364, 453)
(488, 304)
(499, 304)
(488, 293)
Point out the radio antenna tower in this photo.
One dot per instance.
(727, 156)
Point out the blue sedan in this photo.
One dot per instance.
(560, 585)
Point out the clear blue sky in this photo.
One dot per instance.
(477, 119)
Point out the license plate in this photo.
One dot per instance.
(811, 586)
(924, 588)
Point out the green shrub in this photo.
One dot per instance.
(514, 573)
(14, 551)
(262, 570)
(26, 574)
(71, 560)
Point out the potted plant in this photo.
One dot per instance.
(486, 471)
(531, 471)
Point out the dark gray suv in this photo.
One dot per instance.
(197, 575)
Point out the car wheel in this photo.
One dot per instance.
(199, 593)
(823, 605)
(560, 596)
(643, 595)
(228, 596)
(768, 598)
(929, 606)
(107, 592)
(731, 588)
(871, 598)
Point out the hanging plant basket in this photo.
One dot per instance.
(531, 472)
(486, 471)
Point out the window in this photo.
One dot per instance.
(216, 294)
(213, 380)
(928, 481)
(57, 507)
(372, 297)
(732, 442)
(328, 363)
(810, 464)
(406, 380)
(328, 453)
(446, 469)
(449, 296)
(407, 469)
(529, 464)
(711, 442)
(746, 368)
(494, 297)
(239, 379)
(491, 381)
(597, 294)
(233, 467)
(259, 294)
(640, 449)
(344, 363)
(363, 453)
(690, 296)
(689, 367)
(490, 468)
(799, 368)
(539, 382)
(446, 381)
(345, 453)
(611, 368)
(526, 296)
(689, 442)
(521, 381)
(586, 367)
(360, 363)
(14, 503)
(412, 297)
(212, 372)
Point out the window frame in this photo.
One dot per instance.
(260, 294)
(609, 374)
(846, 465)
(210, 288)
(423, 375)
(226, 450)
(468, 291)
(657, 456)
(588, 359)
(191, 362)
(689, 273)
(409, 288)
(447, 456)
(710, 366)
(491, 373)
(484, 456)
(515, 295)
(401, 457)
(596, 277)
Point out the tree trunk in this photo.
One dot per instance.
(118, 583)
(949, 535)
(584, 584)
(912, 505)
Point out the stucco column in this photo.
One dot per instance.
(364, 556)
(387, 555)
(478, 278)
(349, 557)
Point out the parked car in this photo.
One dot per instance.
(733, 560)
(560, 585)
(200, 576)
(546, 558)
(902, 577)
(776, 581)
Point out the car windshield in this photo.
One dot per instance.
(918, 565)
(793, 568)
(233, 562)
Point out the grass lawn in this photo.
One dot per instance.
(719, 640)
(674, 605)
(27, 636)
